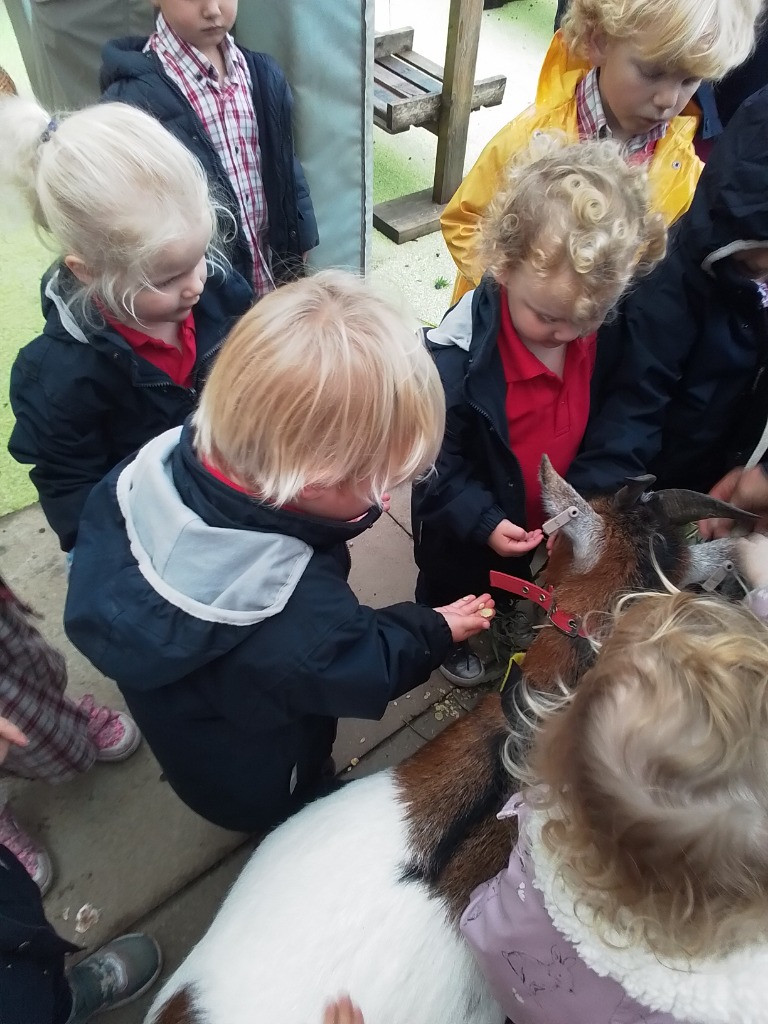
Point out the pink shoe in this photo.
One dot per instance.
(32, 856)
(114, 733)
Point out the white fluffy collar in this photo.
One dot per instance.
(705, 990)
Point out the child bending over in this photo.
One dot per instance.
(638, 887)
(562, 241)
(232, 108)
(211, 579)
(135, 307)
(621, 69)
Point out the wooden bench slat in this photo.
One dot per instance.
(422, 63)
(412, 74)
(398, 85)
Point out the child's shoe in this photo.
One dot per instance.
(462, 667)
(115, 734)
(33, 857)
(114, 975)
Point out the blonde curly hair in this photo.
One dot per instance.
(703, 38)
(576, 206)
(657, 765)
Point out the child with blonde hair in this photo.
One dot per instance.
(638, 886)
(562, 241)
(211, 580)
(621, 69)
(135, 306)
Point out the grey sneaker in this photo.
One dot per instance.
(462, 667)
(114, 975)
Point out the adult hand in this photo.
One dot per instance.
(509, 540)
(10, 736)
(343, 1011)
(745, 488)
(465, 618)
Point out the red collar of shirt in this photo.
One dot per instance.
(519, 362)
(593, 124)
(177, 364)
(222, 477)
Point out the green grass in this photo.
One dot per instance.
(23, 259)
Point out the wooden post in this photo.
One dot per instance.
(458, 82)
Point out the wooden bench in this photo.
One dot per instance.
(408, 88)
(410, 91)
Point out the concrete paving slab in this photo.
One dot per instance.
(400, 507)
(431, 722)
(180, 922)
(391, 752)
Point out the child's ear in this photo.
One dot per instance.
(597, 48)
(79, 268)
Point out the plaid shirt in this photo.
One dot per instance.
(593, 124)
(226, 110)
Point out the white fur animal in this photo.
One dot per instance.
(361, 891)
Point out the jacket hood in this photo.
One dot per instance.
(729, 211)
(560, 73)
(213, 573)
(125, 58)
(54, 298)
(456, 326)
(705, 989)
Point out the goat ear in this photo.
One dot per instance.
(707, 558)
(633, 488)
(585, 531)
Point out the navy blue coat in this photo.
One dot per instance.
(477, 480)
(680, 386)
(33, 988)
(128, 75)
(237, 694)
(83, 400)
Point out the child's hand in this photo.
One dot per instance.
(508, 540)
(343, 1011)
(753, 558)
(10, 735)
(744, 488)
(468, 616)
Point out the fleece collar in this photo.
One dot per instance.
(707, 990)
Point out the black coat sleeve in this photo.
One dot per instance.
(369, 659)
(641, 358)
(60, 429)
(452, 498)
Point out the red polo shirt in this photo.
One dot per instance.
(177, 364)
(546, 415)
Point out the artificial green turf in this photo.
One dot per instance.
(23, 259)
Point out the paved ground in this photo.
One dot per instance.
(120, 838)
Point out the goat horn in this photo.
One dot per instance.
(680, 506)
(629, 494)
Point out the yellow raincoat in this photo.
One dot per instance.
(673, 170)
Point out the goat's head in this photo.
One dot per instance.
(618, 544)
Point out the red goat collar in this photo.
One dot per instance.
(568, 624)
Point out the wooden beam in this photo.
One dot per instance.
(408, 217)
(394, 41)
(458, 79)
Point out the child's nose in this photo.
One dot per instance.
(666, 98)
(194, 285)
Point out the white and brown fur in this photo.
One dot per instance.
(361, 891)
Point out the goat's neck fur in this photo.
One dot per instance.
(458, 843)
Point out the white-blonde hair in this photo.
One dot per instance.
(109, 185)
(324, 382)
(657, 763)
(705, 38)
